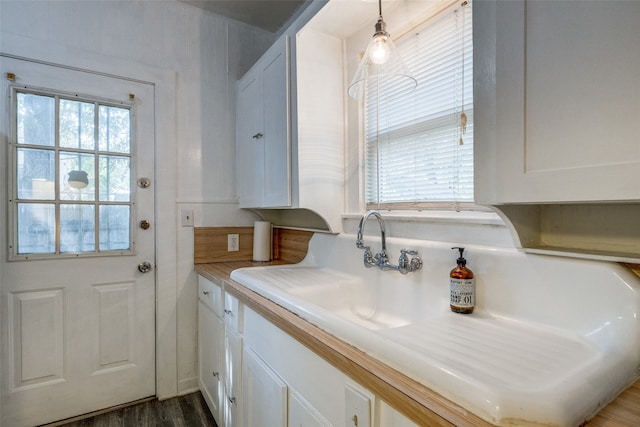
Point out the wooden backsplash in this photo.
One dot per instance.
(210, 244)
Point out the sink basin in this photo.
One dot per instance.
(325, 292)
(552, 340)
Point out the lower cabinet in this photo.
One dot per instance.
(310, 390)
(264, 393)
(232, 387)
(301, 413)
(253, 374)
(210, 347)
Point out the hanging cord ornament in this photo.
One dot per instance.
(463, 115)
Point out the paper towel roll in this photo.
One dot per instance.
(262, 241)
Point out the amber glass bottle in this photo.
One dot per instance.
(462, 287)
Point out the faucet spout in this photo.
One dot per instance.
(363, 221)
(381, 259)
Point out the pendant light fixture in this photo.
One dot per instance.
(78, 179)
(381, 62)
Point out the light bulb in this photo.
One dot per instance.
(380, 51)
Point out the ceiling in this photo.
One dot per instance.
(270, 15)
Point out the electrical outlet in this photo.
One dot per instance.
(233, 242)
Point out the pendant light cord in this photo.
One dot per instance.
(380, 8)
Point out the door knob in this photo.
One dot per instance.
(144, 224)
(144, 267)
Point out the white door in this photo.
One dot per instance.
(78, 317)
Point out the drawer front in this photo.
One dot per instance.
(232, 313)
(211, 295)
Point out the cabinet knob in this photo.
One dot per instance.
(232, 400)
(257, 136)
(227, 312)
(216, 374)
(206, 292)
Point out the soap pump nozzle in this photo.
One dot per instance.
(461, 260)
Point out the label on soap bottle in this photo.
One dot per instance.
(463, 292)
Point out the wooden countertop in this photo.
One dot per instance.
(414, 400)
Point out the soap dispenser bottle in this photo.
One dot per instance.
(462, 286)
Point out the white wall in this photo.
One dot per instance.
(194, 59)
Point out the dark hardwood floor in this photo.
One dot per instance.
(183, 411)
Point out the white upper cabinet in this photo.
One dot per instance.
(290, 129)
(557, 101)
(262, 134)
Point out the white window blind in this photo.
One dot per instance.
(417, 152)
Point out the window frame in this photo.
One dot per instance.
(12, 180)
(406, 33)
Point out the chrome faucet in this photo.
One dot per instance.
(381, 259)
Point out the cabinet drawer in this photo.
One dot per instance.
(232, 313)
(211, 295)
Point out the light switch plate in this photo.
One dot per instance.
(186, 217)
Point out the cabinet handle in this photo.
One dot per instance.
(232, 400)
(227, 312)
(257, 136)
(216, 374)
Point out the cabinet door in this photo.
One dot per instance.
(233, 363)
(558, 106)
(249, 140)
(210, 358)
(264, 394)
(263, 164)
(275, 81)
(302, 414)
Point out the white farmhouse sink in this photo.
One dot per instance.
(551, 341)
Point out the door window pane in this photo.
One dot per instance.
(35, 117)
(115, 129)
(77, 124)
(115, 181)
(36, 174)
(36, 228)
(75, 169)
(114, 227)
(77, 228)
(71, 189)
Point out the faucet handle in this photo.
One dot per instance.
(404, 265)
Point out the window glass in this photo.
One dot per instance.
(77, 228)
(35, 174)
(115, 128)
(115, 181)
(77, 124)
(36, 228)
(36, 119)
(75, 169)
(419, 146)
(114, 231)
(71, 191)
